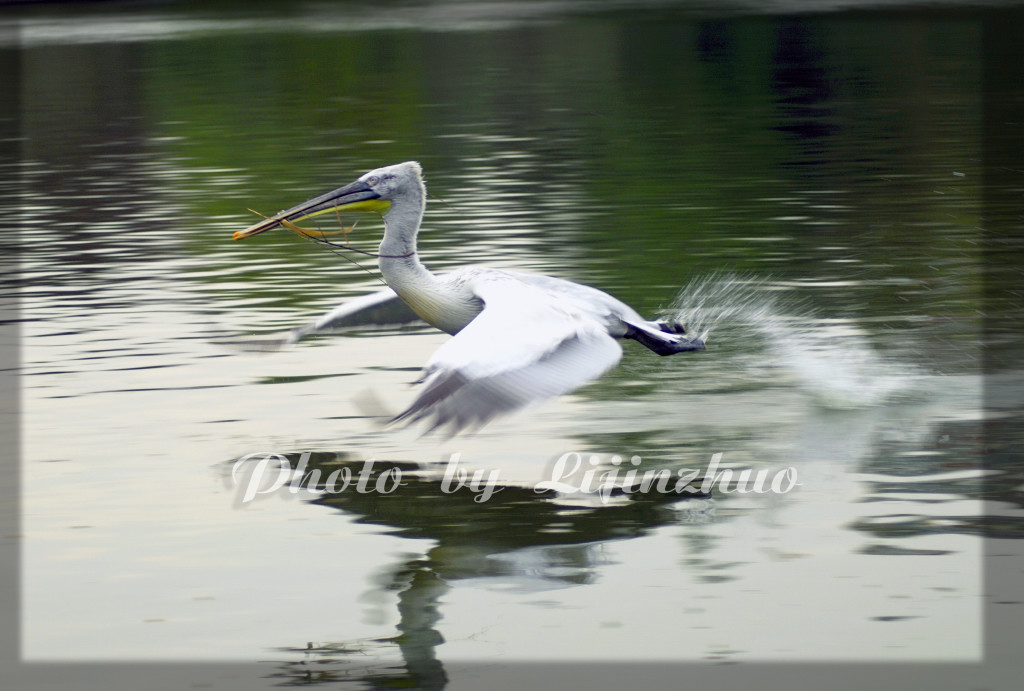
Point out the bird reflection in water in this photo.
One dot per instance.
(520, 535)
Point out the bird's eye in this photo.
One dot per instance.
(372, 180)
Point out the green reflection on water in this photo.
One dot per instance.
(643, 151)
(837, 158)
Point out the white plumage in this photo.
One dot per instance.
(518, 338)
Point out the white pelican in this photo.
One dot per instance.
(518, 337)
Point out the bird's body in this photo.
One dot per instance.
(518, 337)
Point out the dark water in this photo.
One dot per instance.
(809, 191)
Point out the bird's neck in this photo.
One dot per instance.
(399, 262)
(402, 222)
(430, 297)
(405, 273)
(402, 268)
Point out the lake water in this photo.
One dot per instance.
(806, 191)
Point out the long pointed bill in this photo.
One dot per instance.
(357, 196)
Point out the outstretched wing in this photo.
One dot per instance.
(525, 346)
(383, 308)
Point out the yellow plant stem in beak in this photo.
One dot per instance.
(356, 196)
(309, 232)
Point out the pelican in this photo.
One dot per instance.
(518, 338)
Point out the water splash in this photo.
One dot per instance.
(831, 359)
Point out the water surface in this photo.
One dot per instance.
(806, 191)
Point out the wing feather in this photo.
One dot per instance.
(383, 308)
(526, 345)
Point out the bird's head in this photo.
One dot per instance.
(373, 191)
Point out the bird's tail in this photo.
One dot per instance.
(664, 337)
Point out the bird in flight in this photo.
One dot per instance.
(518, 338)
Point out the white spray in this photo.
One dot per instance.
(831, 358)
